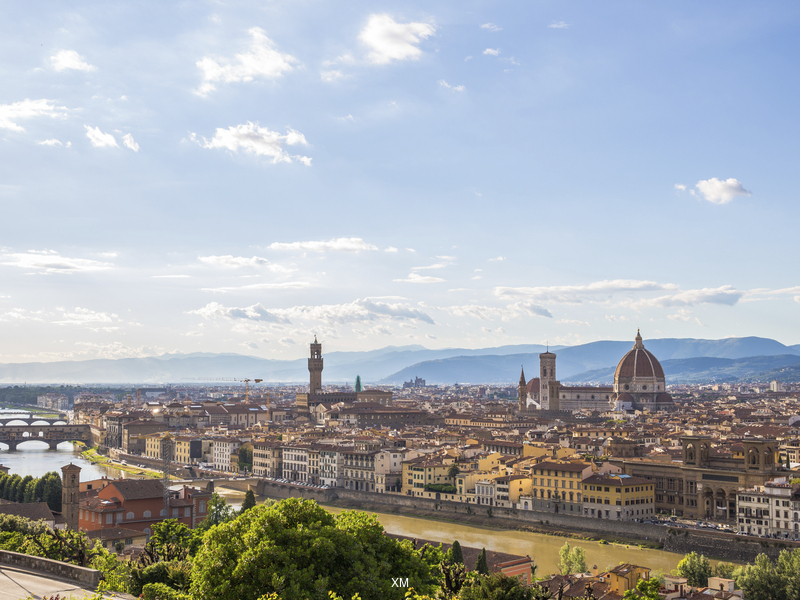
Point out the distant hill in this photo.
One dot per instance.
(708, 369)
(596, 361)
(395, 364)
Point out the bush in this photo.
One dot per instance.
(174, 574)
(444, 488)
(160, 591)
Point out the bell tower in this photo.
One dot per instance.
(523, 392)
(547, 374)
(70, 494)
(315, 368)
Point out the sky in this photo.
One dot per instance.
(241, 176)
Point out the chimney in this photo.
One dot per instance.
(594, 571)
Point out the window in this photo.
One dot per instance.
(110, 518)
(128, 541)
(146, 514)
(130, 516)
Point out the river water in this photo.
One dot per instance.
(35, 458)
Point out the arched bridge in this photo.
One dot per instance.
(13, 435)
(33, 420)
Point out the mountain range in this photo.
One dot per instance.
(689, 360)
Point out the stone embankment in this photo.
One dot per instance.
(87, 577)
(717, 545)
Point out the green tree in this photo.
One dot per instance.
(219, 511)
(10, 492)
(696, 568)
(761, 580)
(482, 565)
(456, 553)
(170, 540)
(646, 589)
(724, 570)
(496, 587)
(245, 459)
(23, 485)
(298, 550)
(249, 501)
(52, 491)
(30, 491)
(571, 560)
(453, 471)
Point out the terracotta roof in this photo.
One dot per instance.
(138, 489)
(35, 511)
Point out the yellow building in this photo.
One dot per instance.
(556, 487)
(618, 497)
(422, 471)
(625, 577)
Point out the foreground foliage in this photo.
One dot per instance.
(300, 551)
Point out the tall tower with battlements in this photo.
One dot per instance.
(70, 494)
(547, 374)
(315, 368)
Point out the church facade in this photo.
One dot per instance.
(639, 384)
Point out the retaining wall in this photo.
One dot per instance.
(723, 546)
(89, 578)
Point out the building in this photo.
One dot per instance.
(639, 384)
(139, 503)
(556, 487)
(267, 460)
(54, 401)
(307, 402)
(771, 509)
(705, 483)
(223, 449)
(618, 497)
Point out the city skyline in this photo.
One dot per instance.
(239, 178)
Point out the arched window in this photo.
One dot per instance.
(163, 512)
(147, 514)
(130, 516)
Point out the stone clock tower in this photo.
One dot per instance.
(70, 494)
(315, 368)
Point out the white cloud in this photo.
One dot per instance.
(253, 139)
(347, 118)
(558, 25)
(725, 295)
(100, 139)
(84, 316)
(285, 285)
(389, 40)
(455, 88)
(28, 109)
(417, 278)
(50, 261)
(69, 59)
(52, 142)
(574, 294)
(446, 262)
(683, 314)
(721, 191)
(364, 310)
(491, 27)
(170, 276)
(263, 60)
(573, 322)
(330, 76)
(680, 186)
(488, 313)
(797, 299)
(492, 51)
(616, 319)
(497, 259)
(237, 262)
(128, 142)
(334, 245)
(390, 249)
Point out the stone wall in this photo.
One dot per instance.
(88, 578)
(280, 491)
(723, 546)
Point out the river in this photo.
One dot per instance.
(35, 458)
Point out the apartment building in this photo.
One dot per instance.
(618, 497)
(223, 449)
(772, 509)
(267, 460)
(556, 486)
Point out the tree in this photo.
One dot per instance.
(761, 580)
(249, 501)
(482, 565)
(456, 553)
(23, 485)
(696, 568)
(453, 471)
(299, 551)
(571, 560)
(646, 589)
(245, 459)
(496, 587)
(218, 512)
(52, 491)
(724, 570)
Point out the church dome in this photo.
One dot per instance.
(639, 363)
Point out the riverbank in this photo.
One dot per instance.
(95, 457)
(496, 523)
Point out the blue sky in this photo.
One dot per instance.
(237, 176)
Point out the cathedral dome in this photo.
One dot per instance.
(639, 363)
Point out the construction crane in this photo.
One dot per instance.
(245, 381)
